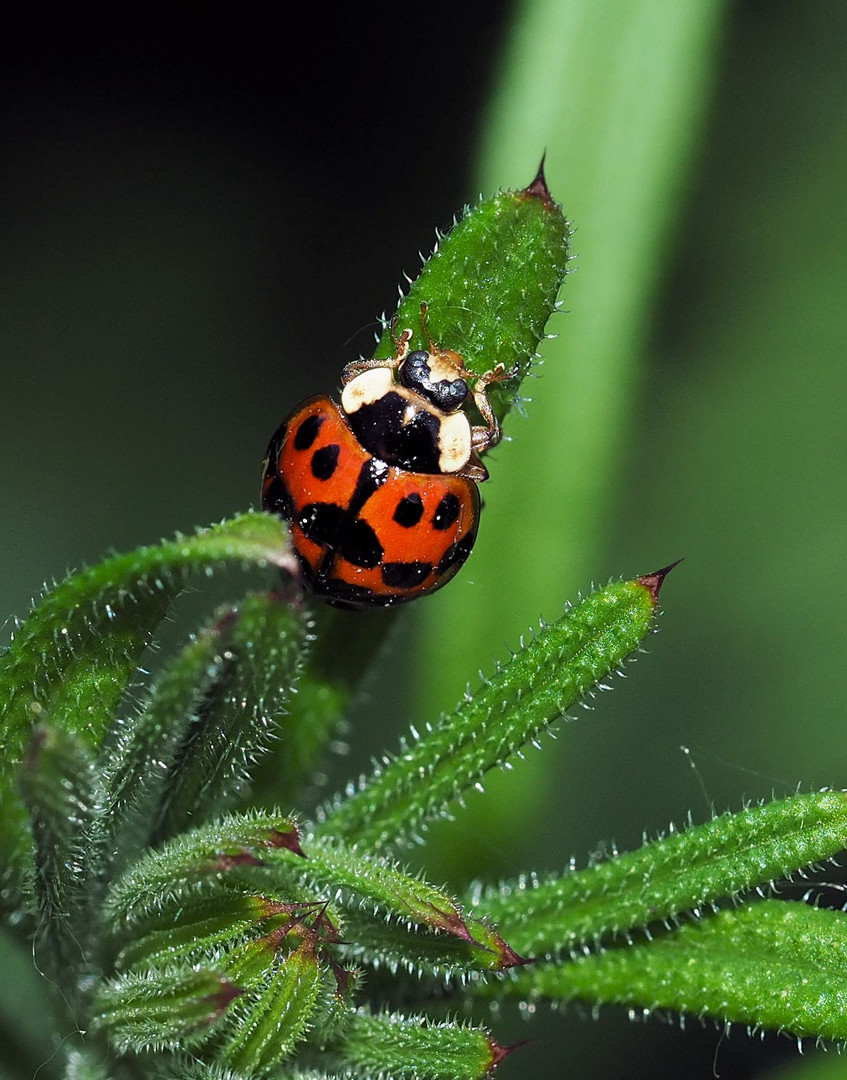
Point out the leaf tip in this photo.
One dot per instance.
(509, 958)
(230, 860)
(538, 189)
(287, 837)
(498, 1052)
(653, 582)
(221, 1000)
(450, 922)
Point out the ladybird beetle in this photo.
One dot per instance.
(381, 491)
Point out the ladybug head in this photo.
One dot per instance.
(438, 376)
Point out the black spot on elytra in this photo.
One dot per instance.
(324, 461)
(306, 568)
(276, 497)
(359, 545)
(446, 512)
(409, 510)
(456, 554)
(342, 594)
(307, 432)
(405, 575)
(320, 522)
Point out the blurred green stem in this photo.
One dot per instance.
(616, 94)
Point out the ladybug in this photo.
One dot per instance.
(381, 492)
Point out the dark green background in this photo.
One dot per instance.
(198, 227)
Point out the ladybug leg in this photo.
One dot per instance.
(474, 469)
(356, 367)
(483, 438)
(401, 343)
(401, 350)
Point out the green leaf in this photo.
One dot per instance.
(210, 852)
(270, 1019)
(173, 1008)
(200, 924)
(58, 784)
(382, 884)
(71, 660)
(211, 768)
(491, 285)
(392, 916)
(774, 965)
(422, 953)
(554, 669)
(131, 767)
(683, 871)
(415, 1048)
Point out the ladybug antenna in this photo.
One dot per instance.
(425, 328)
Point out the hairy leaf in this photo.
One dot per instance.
(272, 1017)
(491, 285)
(174, 1008)
(70, 662)
(211, 851)
(554, 670)
(58, 785)
(379, 898)
(681, 872)
(211, 767)
(134, 766)
(774, 964)
(389, 1044)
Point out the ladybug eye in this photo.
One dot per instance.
(414, 372)
(446, 394)
(449, 396)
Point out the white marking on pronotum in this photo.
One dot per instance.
(454, 442)
(367, 388)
